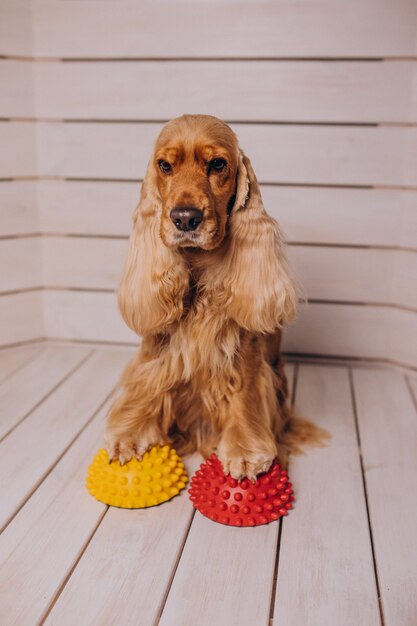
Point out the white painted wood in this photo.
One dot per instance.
(39, 441)
(21, 263)
(17, 149)
(326, 329)
(16, 28)
(90, 208)
(18, 213)
(412, 379)
(315, 215)
(326, 273)
(17, 88)
(138, 551)
(31, 384)
(359, 275)
(86, 316)
(12, 359)
(374, 332)
(84, 262)
(40, 546)
(388, 432)
(325, 572)
(225, 574)
(21, 317)
(307, 154)
(305, 91)
(286, 28)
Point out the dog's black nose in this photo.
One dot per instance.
(186, 218)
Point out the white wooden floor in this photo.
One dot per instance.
(345, 556)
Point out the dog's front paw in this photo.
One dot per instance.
(126, 446)
(241, 464)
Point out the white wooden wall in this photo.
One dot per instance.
(323, 96)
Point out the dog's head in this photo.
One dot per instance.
(195, 165)
(201, 204)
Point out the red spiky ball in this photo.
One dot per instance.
(223, 499)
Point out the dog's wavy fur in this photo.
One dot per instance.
(210, 306)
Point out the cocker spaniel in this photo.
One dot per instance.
(208, 286)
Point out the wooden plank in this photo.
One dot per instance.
(37, 379)
(16, 28)
(21, 317)
(140, 577)
(18, 208)
(412, 379)
(12, 359)
(287, 28)
(43, 438)
(22, 258)
(326, 273)
(17, 88)
(98, 263)
(17, 149)
(359, 275)
(308, 154)
(89, 208)
(321, 329)
(38, 549)
(44, 541)
(315, 215)
(325, 572)
(225, 574)
(374, 332)
(68, 315)
(305, 91)
(388, 432)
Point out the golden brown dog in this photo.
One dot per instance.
(208, 286)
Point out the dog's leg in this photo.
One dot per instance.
(248, 417)
(141, 416)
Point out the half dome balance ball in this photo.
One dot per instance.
(223, 499)
(158, 477)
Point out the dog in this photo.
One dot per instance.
(208, 286)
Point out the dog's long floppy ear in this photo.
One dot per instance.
(155, 278)
(263, 294)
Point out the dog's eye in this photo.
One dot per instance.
(164, 166)
(217, 165)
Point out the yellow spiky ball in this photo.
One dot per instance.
(157, 477)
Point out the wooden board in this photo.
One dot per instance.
(39, 548)
(133, 588)
(41, 440)
(225, 574)
(383, 217)
(17, 149)
(18, 208)
(286, 28)
(321, 329)
(21, 317)
(388, 432)
(340, 155)
(89, 316)
(17, 88)
(38, 378)
(16, 28)
(323, 576)
(22, 258)
(305, 91)
(326, 273)
(12, 359)
(374, 332)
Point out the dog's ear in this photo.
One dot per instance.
(155, 278)
(262, 293)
